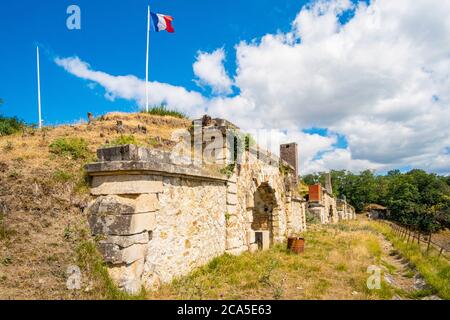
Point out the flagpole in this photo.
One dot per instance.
(39, 87)
(146, 65)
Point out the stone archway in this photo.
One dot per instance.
(263, 211)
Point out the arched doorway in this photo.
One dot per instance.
(263, 211)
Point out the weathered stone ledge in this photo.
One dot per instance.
(151, 168)
(131, 159)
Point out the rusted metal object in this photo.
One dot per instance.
(315, 193)
(296, 244)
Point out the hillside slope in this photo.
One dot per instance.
(43, 194)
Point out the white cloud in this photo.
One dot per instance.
(211, 72)
(381, 80)
(309, 144)
(339, 159)
(132, 88)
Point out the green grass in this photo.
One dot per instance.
(62, 176)
(332, 267)
(436, 271)
(391, 269)
(312, 218)
(374, 248)
(8, 146)
(341, 267)
(74, 148)
(152, 142)
(259, 271)
(228, 170)
(9, 126)
(82, 182)
(163, 111)
(123, 140)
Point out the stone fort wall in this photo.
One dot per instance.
(159, 215)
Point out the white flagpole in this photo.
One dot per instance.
(146, 65)
(39, 87)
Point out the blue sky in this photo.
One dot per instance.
(112, 38)
(357, 84)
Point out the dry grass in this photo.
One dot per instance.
(33, 146)
(334, 266)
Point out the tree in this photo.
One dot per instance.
(311, 179)
(416, 198)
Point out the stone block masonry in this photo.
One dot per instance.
(158, 218)
(155, 220)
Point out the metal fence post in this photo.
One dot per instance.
(429, 242)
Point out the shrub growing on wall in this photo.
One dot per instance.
(163, 111)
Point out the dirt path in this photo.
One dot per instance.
(402, 276)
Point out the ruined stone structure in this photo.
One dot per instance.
(326, 207)
(159, 215)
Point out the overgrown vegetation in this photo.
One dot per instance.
(250, 142)
(416, 198)
(92, 266)
(241, 142)
(311, 218)
(284, 170)
(91, 263)
(435, 271)
(62, 176)
(164, 111)
(74, 148)
(9, 126)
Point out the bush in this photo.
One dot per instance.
(91, 263)
(75, 148)
(228, 170)
(164, 111)
(10, 126)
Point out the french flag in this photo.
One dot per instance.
(162, 22)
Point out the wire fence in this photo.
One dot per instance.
(411, 235)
